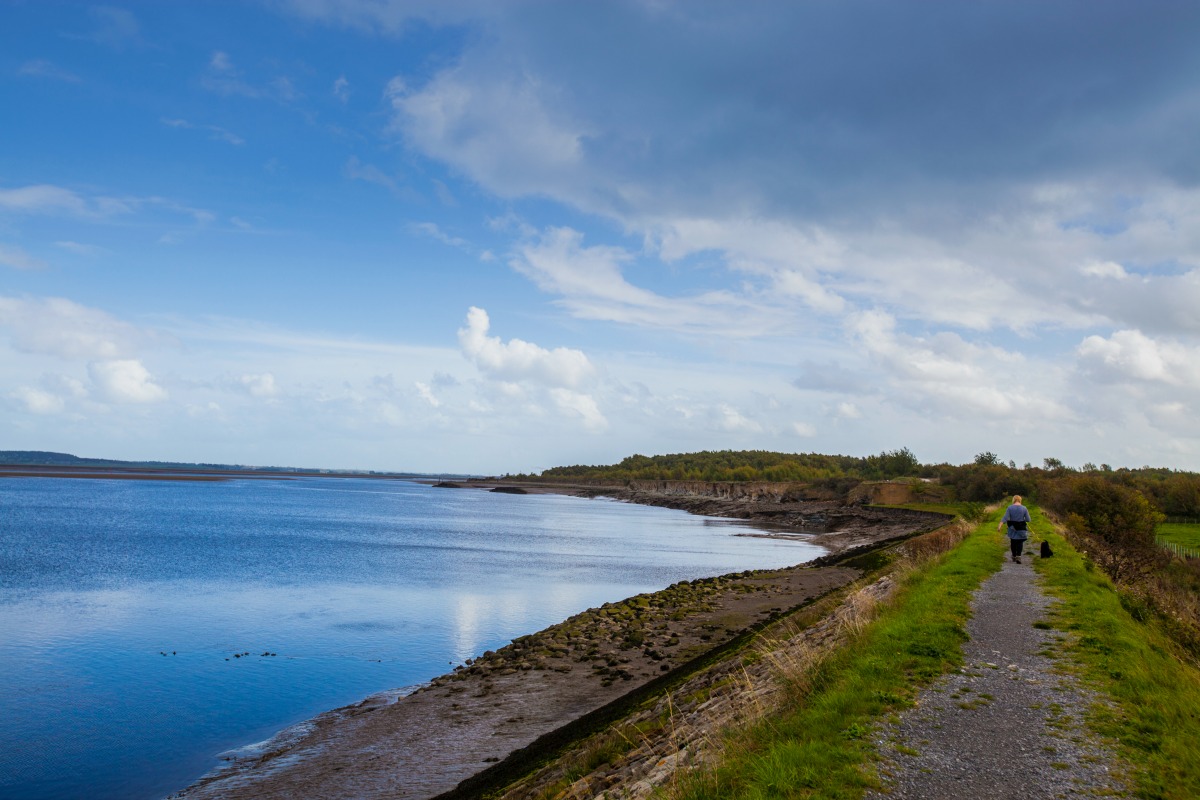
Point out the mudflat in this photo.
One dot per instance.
(426, 743)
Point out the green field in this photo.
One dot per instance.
(1186, 534)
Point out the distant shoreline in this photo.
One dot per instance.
(167, 474)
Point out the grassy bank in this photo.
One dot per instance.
(820, 747)
(1120, 650)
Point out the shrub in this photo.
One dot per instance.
(1119, 516)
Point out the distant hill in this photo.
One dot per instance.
(45, 458)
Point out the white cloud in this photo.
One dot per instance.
(261, 385)
(955, 377)
(216, 132)
(434, 231)
(427, 394)
(357, 170)
(80, 249)
(590, 282)
(59, 327)
(43, 198)
(37, 401)
(222, 77)
(803, 429)
(341, 89)
(581, 404)
(500, 132)
(519, 360)
(1130, 355)
(846, 410)
(125, 381)
(1104, 269)
(17, 258)
(730, 419)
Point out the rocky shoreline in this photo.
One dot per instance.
(489, 721)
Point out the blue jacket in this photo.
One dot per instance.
(1017, 513)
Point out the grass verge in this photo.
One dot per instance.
(1121, 651)
(819, 747)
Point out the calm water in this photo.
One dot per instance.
(358, 586)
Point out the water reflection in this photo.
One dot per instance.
(127, 607)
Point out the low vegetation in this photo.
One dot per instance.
(1137, 659)
(819, 747)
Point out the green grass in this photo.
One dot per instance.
(1156, 716)
(958, 509)
(1186, 534)
(820, 747)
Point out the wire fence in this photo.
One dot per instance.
(1179, 549)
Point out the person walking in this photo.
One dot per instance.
(1018, 519)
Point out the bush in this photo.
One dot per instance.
(1117, 515)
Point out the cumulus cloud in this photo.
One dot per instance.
(518, 360)
(1130, 355)
(803, 429)
(847, 410)
(581, 404)
(730, 419)
(59, 327)
(125, 381)
(38, 401)
(426, 394)
(261, 385)
(953, 376)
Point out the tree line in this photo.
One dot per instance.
(987, 478)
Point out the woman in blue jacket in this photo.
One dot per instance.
(1017, 518)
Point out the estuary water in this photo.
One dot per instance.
(147, 626)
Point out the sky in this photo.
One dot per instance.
(497, 237)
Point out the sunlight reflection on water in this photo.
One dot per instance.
(335, 588)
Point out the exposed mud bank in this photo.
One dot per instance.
(495, 718)
(836, 523)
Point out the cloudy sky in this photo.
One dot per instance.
(498, 237)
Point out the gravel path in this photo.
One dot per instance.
(1005, 726)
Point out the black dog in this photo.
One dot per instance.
(1046, 551)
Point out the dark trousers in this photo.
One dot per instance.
(1017, 546)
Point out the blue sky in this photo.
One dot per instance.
(499, 237)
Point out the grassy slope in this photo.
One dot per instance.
(1156, 718)
(820, 749)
